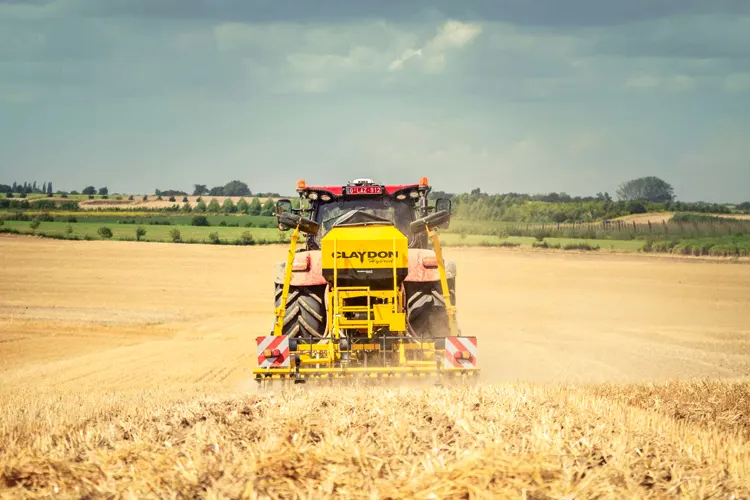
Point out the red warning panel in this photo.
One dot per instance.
(273, 351)
(460, 352)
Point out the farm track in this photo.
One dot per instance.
(122, 347)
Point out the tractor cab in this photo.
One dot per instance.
(364, 201)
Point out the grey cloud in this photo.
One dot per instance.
(26, 2)
(523, 12)
(56, 40)
(686, 37)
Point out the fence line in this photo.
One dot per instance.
(628, 229)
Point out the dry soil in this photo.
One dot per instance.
(117, 353)
(74, 314)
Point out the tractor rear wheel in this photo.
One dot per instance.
(425, 308)
(305, 311)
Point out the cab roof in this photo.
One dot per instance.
(361, 187)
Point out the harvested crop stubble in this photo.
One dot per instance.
(544, 441)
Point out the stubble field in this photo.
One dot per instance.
(125, 370)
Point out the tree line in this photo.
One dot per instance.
(231, 188)
(27, 188)
(511, 209)
(255, 207)
(649, 188)
(645, 194)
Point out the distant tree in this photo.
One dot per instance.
(438, 194)
(4, 188)
(23, 194)
(242, 206)
(170, 192)
(103, 190)
(89, 190)
(185, 199)
(268, 207)
(216, 191)
(200, 220)
(49, 188)
(175, 235)
(744, 206)
(187, 208)
(200, 189)
(34, 224)
(236, 188)
(200, 206)
(34, 189)
(214, 207)
(649, 188)
(255, 207)
(228, 207)
(140, 233)
(105, 232)
(44, 187)
(636, 207)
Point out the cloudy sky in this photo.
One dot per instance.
(506, 95)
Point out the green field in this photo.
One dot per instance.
(680, 226)
(727, 246)
(161, 233)
(176, 220)
(451, 239)
(146, 218)
(701, 235)
(191, 234)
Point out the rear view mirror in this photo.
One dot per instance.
(283, 206)
(438, 219)
(443, 205)
(289, 220)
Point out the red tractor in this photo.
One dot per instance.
(306, 314)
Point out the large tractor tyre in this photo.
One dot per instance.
(305, 311)
(425, 308)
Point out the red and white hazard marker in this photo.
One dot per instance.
(273, 351)
(460, 352)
